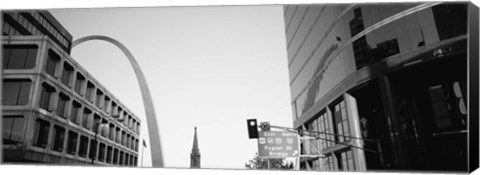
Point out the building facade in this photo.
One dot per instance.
(53, 110)
(384, 86)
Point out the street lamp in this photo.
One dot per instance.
(98, 122)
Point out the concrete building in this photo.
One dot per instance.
(195, 155)
(53, 110)
(387, 83)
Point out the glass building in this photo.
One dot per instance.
(53, 110)
(382, 86)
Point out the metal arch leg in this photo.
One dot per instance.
(155, 144)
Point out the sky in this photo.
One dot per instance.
(212, 67)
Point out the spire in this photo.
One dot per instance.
(195, 155)
(195, 142)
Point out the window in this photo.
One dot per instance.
(120, 112)
(98, 99)
(450, 19)
(106, 106)
(52, 61)
(72, 142)
(127, 142)
(101, 153)
(59, 138)
(19, 56)
(13, 129)
(62, 102)
(312, 144)
(127, 156)
(114, 108)
(125, 118)
(341, 121)
(328, 163)
(16, 91)
(121, 162)
(124, 138)
(115, 156)
(131, 162)
(87, 118)
(324, 127)
(90, 90)
(440, 105)
(95, 127)
(67, 74)
(83, 146)
(41, 133)
(118, 137)
(111, 133)
(45, 97)
(93, 149)
(134, 124)
(136, 145)
(79, 84)
(76, 106)
(345, 160)
(138, 128)
(129, 122)
(132, 143)
(109, 154)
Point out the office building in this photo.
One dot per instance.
(384, 86)
(53, 110)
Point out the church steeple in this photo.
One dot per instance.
(195, 155)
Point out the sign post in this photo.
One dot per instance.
(278, 144)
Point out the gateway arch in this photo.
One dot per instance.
(153, 132)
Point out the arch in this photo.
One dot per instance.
(153, 132)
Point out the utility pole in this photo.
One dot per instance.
(268, 163)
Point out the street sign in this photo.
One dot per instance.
(277, 144)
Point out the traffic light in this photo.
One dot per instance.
(252, 128)
(265, 126)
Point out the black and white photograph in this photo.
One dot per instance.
(300, 87)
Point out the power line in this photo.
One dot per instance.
(307, 132)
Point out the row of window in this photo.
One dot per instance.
(24, 57)
(10, 30)
(33, 30)
(314, 78)
(69, 142)
(86, 88)
(17, 92)
(326, 127)
(330, 131)
(82, 115)
(313, 22)
(77, 144)
(309, 50)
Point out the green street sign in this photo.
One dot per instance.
(278, 144)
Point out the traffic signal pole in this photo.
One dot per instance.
(306, 132)
(305, 135)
